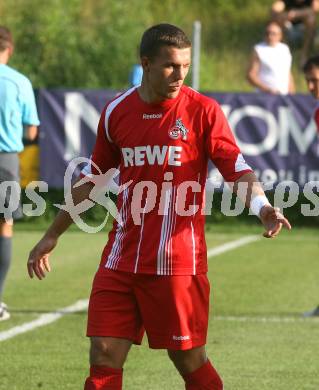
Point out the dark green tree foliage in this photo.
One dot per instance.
(93, 43)
(75, 43)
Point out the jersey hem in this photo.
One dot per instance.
(150, 271)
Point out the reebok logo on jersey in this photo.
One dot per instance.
(178, 131)
(155, 154)
(152, 116)
(181, 338)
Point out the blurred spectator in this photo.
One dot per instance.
(270, 65)
(298, 18)
(18, 115)
(136, 75)
(311, 71)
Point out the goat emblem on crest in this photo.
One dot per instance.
(178, 130)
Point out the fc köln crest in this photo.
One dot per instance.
(178, 130)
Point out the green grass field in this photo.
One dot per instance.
(257, 336)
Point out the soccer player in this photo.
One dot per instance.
(18, 118)
(152, 274)
(311, 71)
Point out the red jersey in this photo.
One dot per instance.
(164, 149)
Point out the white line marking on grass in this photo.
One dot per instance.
(266, 319)
(44, 319)
(232, 245)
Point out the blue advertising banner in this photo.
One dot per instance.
(276, 134)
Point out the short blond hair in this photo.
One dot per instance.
(163, 34)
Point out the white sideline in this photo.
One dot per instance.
(232, 245)
(46, 319)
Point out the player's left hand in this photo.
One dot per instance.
(273, 221)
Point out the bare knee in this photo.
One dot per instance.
(188, 361)
(109, 351)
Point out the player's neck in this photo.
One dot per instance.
(148, 95)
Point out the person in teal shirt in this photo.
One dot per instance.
(136, 75)
(18, 120)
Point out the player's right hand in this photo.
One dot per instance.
(38, 261)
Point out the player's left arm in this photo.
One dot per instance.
(30, 132)
(30, 117)
(225, 154)
(255, 199)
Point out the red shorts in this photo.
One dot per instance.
(173, 310)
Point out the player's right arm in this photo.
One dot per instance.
(38, 261)
(105, 156)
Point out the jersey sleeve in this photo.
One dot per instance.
(222, 148)
(106, 154)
